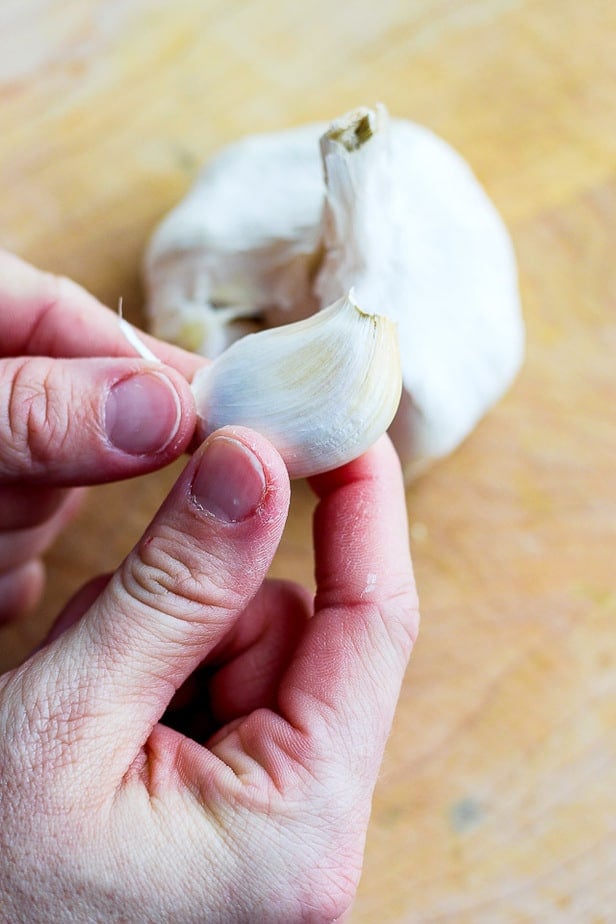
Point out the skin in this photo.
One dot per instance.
(195, 742)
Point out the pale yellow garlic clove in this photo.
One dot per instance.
(322, 390)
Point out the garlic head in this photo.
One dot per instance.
(280, 225)
(322, 389)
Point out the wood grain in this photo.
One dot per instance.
(497, 799)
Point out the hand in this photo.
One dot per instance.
(107, 814)
(71, 414)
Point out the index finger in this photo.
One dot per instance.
(345, 681)
(46, 315)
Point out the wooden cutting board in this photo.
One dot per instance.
(497, 799)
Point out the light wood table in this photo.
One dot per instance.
(497, 799)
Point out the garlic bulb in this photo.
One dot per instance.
(280, 225)
(322, 390)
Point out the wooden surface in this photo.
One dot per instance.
(497, 799)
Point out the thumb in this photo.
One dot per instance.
(180, 590)
(83, 421)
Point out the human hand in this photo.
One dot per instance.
(76, 407)
(106, 814)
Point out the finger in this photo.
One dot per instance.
(83, 421)
(344, 683)
(255, 655)
(177, 594)
(243, 672)
(46, 315)
(27, 505)
(21, 589)
(20, 545)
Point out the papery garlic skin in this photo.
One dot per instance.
(322, 390)
(280, 225)
(245, 240)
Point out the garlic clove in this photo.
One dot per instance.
(322, 390)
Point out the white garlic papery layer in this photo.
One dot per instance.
(280, 225)
(322, 390)
(245, 240)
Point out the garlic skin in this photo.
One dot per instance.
(322, 390)
(280, 225)
(244, 241)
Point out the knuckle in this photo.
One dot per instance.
(402, 620)
(37, 422)
(395, 615)
(392, 622)
(169, 573)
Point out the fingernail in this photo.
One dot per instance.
(229, 482)
(142, 414)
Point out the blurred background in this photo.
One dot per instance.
(497, 798)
